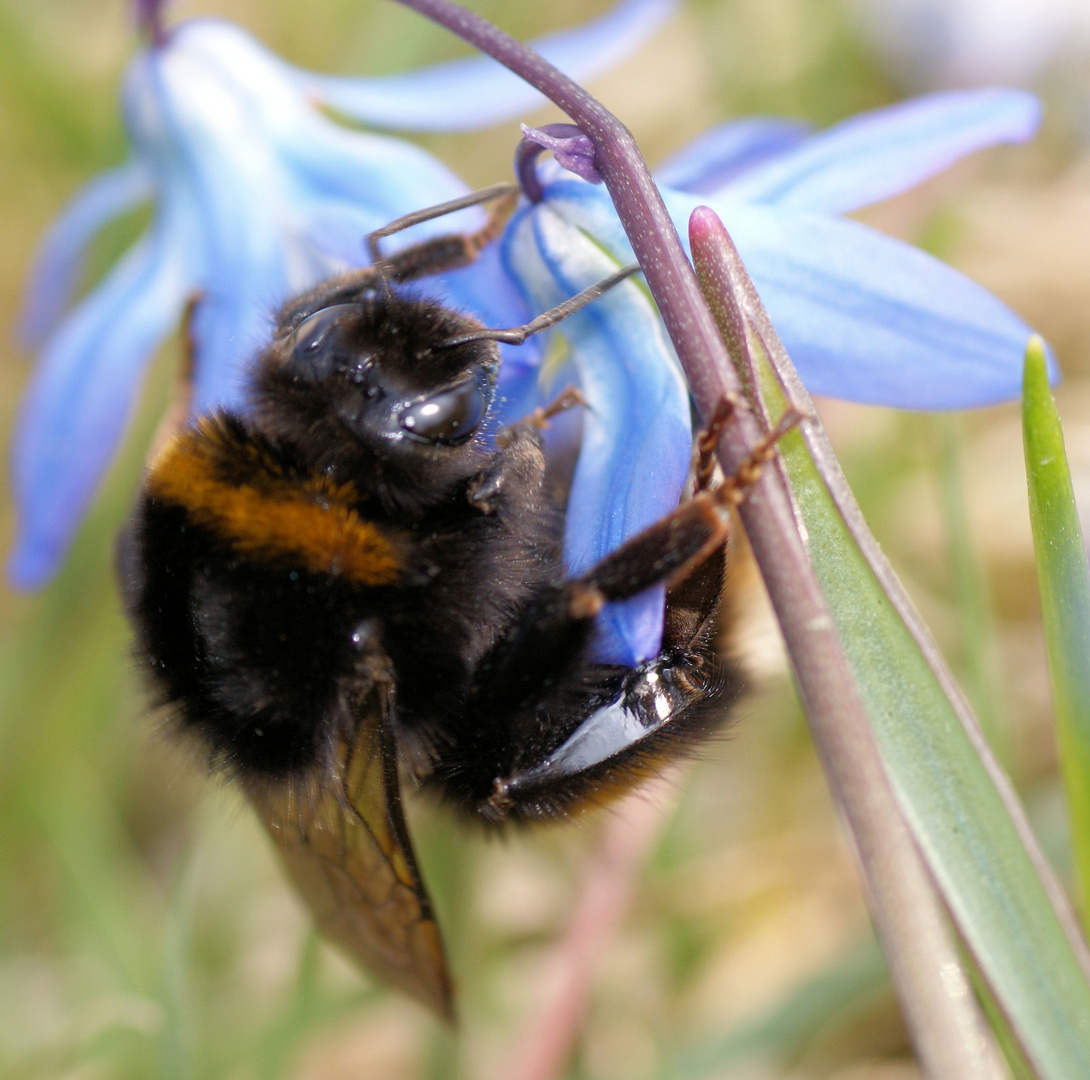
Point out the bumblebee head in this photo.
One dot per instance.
(372, 389)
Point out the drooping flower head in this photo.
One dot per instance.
(864, 317)
(258, 194)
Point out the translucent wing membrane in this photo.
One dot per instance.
(342, 836)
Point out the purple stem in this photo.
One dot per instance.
(149, 16)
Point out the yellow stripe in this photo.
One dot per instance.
(308, 519)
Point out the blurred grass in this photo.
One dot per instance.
(145, 929)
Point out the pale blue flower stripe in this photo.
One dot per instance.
(236, 238)
(864, 317)
(75, 411)
(637, 437)
(884, 152)
(719, 155)
(468, 94)
(60, 255)
(249, 98)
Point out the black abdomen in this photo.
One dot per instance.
(250, 655)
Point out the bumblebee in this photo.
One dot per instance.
(356, 582)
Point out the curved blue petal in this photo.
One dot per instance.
(388, 176)
(232, 96)
(864, 317)
(81, 395)
(242, 246)
(721, 154)
(468, 94)
(637, 438)
(59, 259)
(884, 152)
(870, 319)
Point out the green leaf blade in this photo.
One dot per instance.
(1063, 576)
(955, 812)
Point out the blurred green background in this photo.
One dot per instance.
(145, 928)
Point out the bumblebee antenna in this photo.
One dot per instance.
(516, 335)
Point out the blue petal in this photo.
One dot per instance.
(637, 438)
(388, 177)
(59, 259)
(229, 328)
(870, 319)
(864, 317)
(81, 395)
(467, 94)
(721, 154)
(221, 93)
(884, 152)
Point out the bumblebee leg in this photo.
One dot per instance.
(517, 472)
(447, 252)
(433, 256)
(512, 480)
(667, 551)
(707, 440)
(568, 718)
(539, 419)
(507, 194)
(660, 707)
(565, 400)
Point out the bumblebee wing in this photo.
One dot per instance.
(343, 838)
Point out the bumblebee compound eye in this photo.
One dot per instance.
(314, 351)
(451, 416)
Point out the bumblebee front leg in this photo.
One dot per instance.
(520, 466)
(443, 252)
(435, 256)
(665, 552)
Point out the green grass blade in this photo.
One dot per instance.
(1063, 576)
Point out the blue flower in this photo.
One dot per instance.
(258, 194)
(864, 317)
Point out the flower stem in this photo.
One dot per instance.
(149, 16)
(837, 715)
